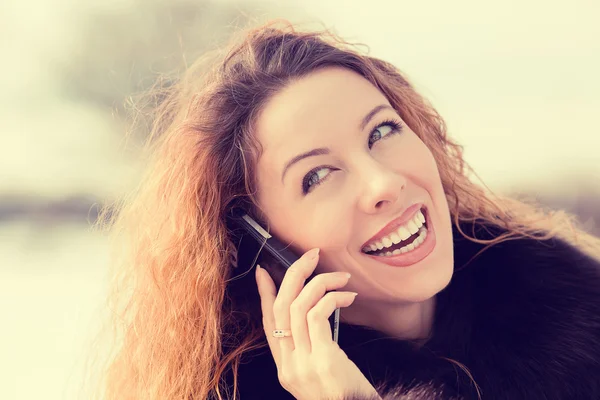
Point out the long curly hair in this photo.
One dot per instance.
(178, 332)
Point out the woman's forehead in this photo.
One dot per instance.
(315, 108)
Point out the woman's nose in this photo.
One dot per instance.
(380, 188)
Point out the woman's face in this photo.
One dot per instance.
(340, 171)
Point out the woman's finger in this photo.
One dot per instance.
(291, 286)
(268, 294)
(317, 318)
(306, 300)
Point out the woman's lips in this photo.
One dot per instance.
(392, 226)
(414, 256)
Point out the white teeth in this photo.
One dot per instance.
(403, 233)
(412, 227)
(420, 239)
(387, 242)
(417, 221)
(416, 243)
(421, 216)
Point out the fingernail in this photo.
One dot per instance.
(314, 253)
(348, 275)
(257, 269)
(354, 293)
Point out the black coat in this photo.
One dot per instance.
(523, 317)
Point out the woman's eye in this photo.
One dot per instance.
(384, 129)
(314, 178)
(318, 175)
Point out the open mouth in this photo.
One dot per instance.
(403, 240)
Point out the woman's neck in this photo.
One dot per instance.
(408, 321)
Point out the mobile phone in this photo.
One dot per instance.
(253, 240)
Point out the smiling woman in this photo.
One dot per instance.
(336, 154)
(368, 176)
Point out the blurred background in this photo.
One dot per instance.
(517, 82)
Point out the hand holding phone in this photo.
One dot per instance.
(310, 364)
(254, 240)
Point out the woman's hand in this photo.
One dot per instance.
(310, 365)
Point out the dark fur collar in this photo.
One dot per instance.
(523, 317)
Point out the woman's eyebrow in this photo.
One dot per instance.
(373, 113)
(311, 153)
(324, 150)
